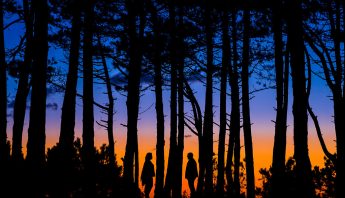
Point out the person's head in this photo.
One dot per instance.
(190, 155)
(148, 156)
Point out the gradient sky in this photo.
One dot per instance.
(262, 114)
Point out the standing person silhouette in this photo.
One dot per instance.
(147, 175)
(191, 173)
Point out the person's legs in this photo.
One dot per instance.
(148, 188)
(191, 186)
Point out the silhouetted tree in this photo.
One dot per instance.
(4, 153)
(171, 169)
(19, 107)
(134, 73)
(157, 63)
(304, 186)
(208, 115)
(222, 115)
(88, 110)
(282, 82)
(234, 146)
(68, 112)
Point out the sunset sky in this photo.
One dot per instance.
(262, 115)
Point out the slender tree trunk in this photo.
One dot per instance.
(173, 104)
(110, 109)
(279, 149)
(222, 115)
(66, 138)
(36, 131)
(19, 108)
(208, 115)
(245, 108)
(88, 156)
(303, 167)
(4, 152)
(235, 122)
(133, 95)
(159, 101)
(177, 191)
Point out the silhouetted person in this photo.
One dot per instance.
(191, 173)
(147, 174)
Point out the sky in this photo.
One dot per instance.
(262, 117)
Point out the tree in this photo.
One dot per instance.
(135, 53)
(222, 114)
(157, 63)
(282, 83)
(299, 109)
(208, 115)
(234, 146)
(23, 86)
(4, 153)
(36, 131)
(88, 156)
(66, 138)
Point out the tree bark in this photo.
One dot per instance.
(304, 184)
(222, 115)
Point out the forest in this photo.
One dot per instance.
(203, 62)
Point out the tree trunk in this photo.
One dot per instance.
(296, 44)
(159, 100)
(88, 156)
(235, 122)
(66, 138)
(222, 115)
(36, 131)
(173, 104)
(208, 115)
(19, 108)
(245, 108)
(133, 95)
(110, 109)
(282, 79)
(177, 191)
(4, 152)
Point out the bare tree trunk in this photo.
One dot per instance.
(208, 115)
(173, 104)
(110, 110)
(296, 44)
(157, 48)
(19, 108)
(66, 138)
(4, 151)
(245, 108)
(88, 156)
(222, 115)
(235, 122)
(36, 132)
(177, 191)
(133, 96)
(282, 79)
